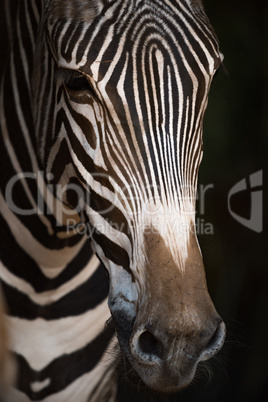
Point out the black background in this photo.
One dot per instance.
(235, 146)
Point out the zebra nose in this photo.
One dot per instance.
(146, 347)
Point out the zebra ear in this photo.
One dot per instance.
(78, 10)
(197, 5)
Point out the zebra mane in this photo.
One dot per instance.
(83, 10)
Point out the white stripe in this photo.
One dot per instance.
(80, 389)
(50, 296)
(44, 257)
(41, 341)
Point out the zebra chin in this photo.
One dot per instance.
(159, 378)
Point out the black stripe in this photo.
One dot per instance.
(23, 266)
(70, 32)
(85, 297)
(81, 153)
(112, 251)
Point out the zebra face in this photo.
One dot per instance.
(126, 86)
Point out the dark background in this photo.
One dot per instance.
(235, 146)
(236, 261)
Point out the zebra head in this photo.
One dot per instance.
(120, 92)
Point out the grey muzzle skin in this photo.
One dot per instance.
(167, 363)
(175, 325)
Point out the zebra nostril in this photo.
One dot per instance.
(146, 347)
(215, 342)
(148, 344)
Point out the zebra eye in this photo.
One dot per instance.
(77, 82)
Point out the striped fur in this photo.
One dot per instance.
(101, 166)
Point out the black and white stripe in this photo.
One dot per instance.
(131, 139)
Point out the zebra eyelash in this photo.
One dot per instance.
(74, 81)
(63, 74)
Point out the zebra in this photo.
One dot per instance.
(102, 105)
